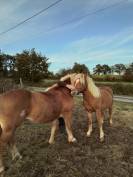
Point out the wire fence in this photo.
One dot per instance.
(6, 85)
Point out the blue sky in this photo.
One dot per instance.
(102, 38)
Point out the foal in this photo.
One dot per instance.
(38, 107)
(95, 99)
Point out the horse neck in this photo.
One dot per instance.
(87, 95)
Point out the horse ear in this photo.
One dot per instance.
(66, 79)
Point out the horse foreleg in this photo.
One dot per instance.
(90, 124)
(110, 116)
(14, 151)
(6, 134)
(2, 147)
(54, 127)
(100, 123)
(68, 123)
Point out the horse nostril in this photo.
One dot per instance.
(78, 93)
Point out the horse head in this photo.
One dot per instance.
(76, 82)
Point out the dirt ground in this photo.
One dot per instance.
(86, 158)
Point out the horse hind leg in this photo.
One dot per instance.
(100, 116)
(14, 151)
(6, 134)
(7, 137)
(55, 125)
(68, 123)
(110, 116)
(1, 155)
(90, 124)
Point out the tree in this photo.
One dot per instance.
(31, 65)
(119, 68)
(130, 68)
(106, 69)
(102, 69)
(98, 69)
(50, 75)
(77, 68)
(128, 75)
(62, 72)
(1, 64)
(80, 68)
(7, 64)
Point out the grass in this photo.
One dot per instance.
(86, 158)
(118, 88)
(112, 83)
(121, 88)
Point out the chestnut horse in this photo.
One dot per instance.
(38, 107)
(95, 99)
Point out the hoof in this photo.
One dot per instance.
(1, 171)
(88, 134)
(16, 157)
(102, 139)
(51, 142)
(111, 124)
(73, 140)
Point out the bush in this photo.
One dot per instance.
(7, 84)
(43, 83)
(109, 78)
(128, 77)
(119, 88)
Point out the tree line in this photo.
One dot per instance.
(28, 65)
(33, 66)
(99, 69)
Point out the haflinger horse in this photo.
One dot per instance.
(38, 107)
(95, 99)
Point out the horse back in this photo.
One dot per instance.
(15, 99)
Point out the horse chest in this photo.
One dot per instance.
(88, 107)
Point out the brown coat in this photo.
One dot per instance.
(38, 107)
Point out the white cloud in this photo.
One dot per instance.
(97, 49)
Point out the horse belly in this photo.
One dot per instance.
(43, 116)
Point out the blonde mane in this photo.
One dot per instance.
(68, 76)
(94, 90)
(65, 77)
(50, 88)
